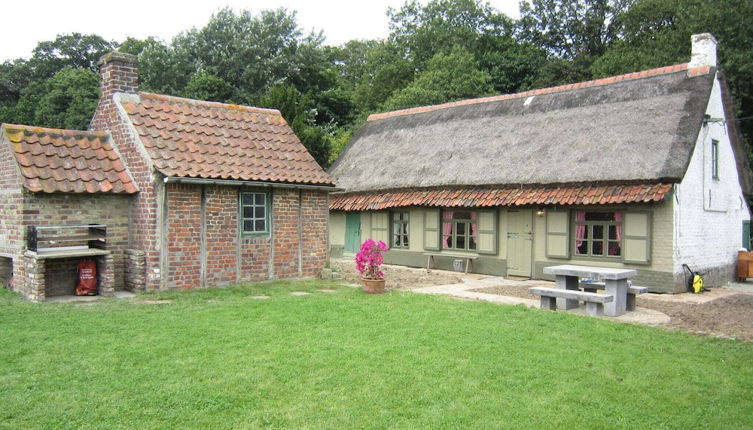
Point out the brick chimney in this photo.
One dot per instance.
(118, 73)
(703, 50)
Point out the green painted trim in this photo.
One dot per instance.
(267, 210)
(493, 232)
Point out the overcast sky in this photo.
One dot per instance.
(27, 22)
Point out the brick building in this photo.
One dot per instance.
(217, 193)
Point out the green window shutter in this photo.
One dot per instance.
(380, 226)
(557, 234)
(636, 237)
(432, 225)
(487, 232)
(746, 234)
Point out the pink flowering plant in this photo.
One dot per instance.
(370, 258)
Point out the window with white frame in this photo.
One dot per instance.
(715, 159)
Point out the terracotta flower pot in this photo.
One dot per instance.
(373, 286)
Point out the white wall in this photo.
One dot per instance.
(708, 212)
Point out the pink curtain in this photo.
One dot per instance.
(474, 226)
(447, 228)
(580, 229)
(618, 218)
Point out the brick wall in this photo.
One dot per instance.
(119, 74)
(314, 217)
(10, 202)
(70, 209)
(709, 212)
(285, 216)
(183, 236)
(216, 254)
(221, 233)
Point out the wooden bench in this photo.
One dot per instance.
(430, 259)
(633, 290)
(594, 301)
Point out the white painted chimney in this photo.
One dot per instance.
(703, 50)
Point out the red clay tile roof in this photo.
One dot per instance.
(68, 161)
(487, 197)
(198, 139)
(696, 71)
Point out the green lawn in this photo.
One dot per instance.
(219, 359)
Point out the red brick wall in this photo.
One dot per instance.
(229, 257)
(119, 73)
(183, 236)
(285, 216)
(221, 217)
(314, 216)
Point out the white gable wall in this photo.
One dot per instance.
(709, 213)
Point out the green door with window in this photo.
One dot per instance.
(352, 232)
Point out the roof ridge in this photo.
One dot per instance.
(695, 71)
(205, 103)
(59, 131)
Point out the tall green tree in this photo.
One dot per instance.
(447, 77)
(573, 33)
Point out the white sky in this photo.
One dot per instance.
(27, 22)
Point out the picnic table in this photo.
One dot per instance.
(567, 277)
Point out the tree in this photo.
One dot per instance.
(571, 29)
(297, 110)
(424, 31)
(205, 86)
(66, 100)
(68, 50)
(656, 33)
(447, 77)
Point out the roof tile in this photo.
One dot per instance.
(53, 160)
(191, 138)
(464, 197)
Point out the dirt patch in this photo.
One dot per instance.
(715, 313)
(398, 277)
(729, 316)
(151, 302)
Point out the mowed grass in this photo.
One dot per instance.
(220, 359)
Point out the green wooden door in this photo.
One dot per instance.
(519, 242)
(746, 234)
(352, 232)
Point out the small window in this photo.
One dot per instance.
(254, 211)
(598, 234)
(459, 230)
(715, 159)
(400, 229)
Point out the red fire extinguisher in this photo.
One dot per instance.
(87, 278)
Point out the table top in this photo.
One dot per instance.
(591, 272)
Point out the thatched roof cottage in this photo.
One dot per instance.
(644, 171)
